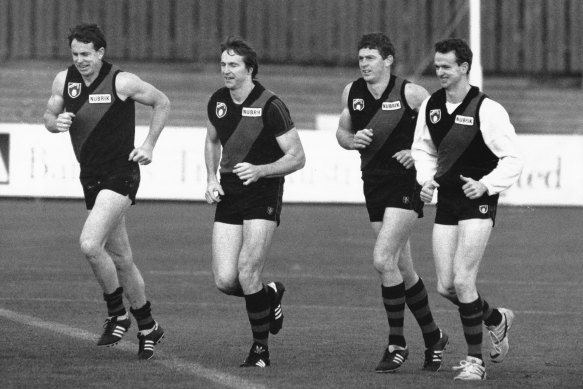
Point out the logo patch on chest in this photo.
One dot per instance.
(221, 109)
(100, 99)
(357, 104)
(391, 105)
(435, 115)
(464, 120)
(252, 112)
(74, 89)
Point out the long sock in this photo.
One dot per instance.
(491, 316)
(258, 308)
(394, 302)
(471, 317)
(114, 303)
(418, 303)
(143, 316)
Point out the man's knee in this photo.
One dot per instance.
(384, 261)
(90, 247)
(447, 291)
(463, 286)
(228, 285)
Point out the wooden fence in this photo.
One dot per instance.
(518, 36)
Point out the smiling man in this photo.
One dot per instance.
(251, 134)
(465, 147)
(378, 120)
(94, 101)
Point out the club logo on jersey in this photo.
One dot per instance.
(100, 99)
(252, 112)
(464, 120)
(74, 89)
(391, 105)
(221, 109)
(483, 209)
(357, 104)
(435, 115)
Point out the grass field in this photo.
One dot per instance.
(335, 328)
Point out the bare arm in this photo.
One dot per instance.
(346, 138)
(415, 95)
(212, 157)
(55, 119)
(292, 160)
(129, 85)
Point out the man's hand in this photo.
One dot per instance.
(427, 190)
(141, 155)
(473, 189)
(248, 173)
(213, 193)
(64, 121)
(404, 158)
(362, 139)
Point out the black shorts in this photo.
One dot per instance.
(391, 190)
(123, 180)
(453, 206)
(260, 200)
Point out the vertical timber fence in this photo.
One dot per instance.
(518, 36)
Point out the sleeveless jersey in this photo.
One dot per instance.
(248, 131)
(392, 122)
(460, 146)
(103, 128)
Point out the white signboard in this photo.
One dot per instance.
(37, 163)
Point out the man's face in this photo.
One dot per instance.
(233, 70)
(447, 69)
(86, 59)
(372, 65)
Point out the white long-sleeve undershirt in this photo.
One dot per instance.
(499, 136)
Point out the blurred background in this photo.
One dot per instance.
(520, 37)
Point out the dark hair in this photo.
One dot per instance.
(460, 48)
(378, 41)
(240, 47)
(88, 33)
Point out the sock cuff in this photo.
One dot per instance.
(415, 289)
(114, 295)
(257, 301)
(471, 309)
(392, 292)
(143, 311)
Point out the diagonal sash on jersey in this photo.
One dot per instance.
(458, 139)
(382, 119)
(237, 147)
(89, 115)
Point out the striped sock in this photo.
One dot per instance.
(394, 302)
(258, 309)
(418, 303)
(471, 317)
(492, 316)
(114, 303)
(143, 316)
